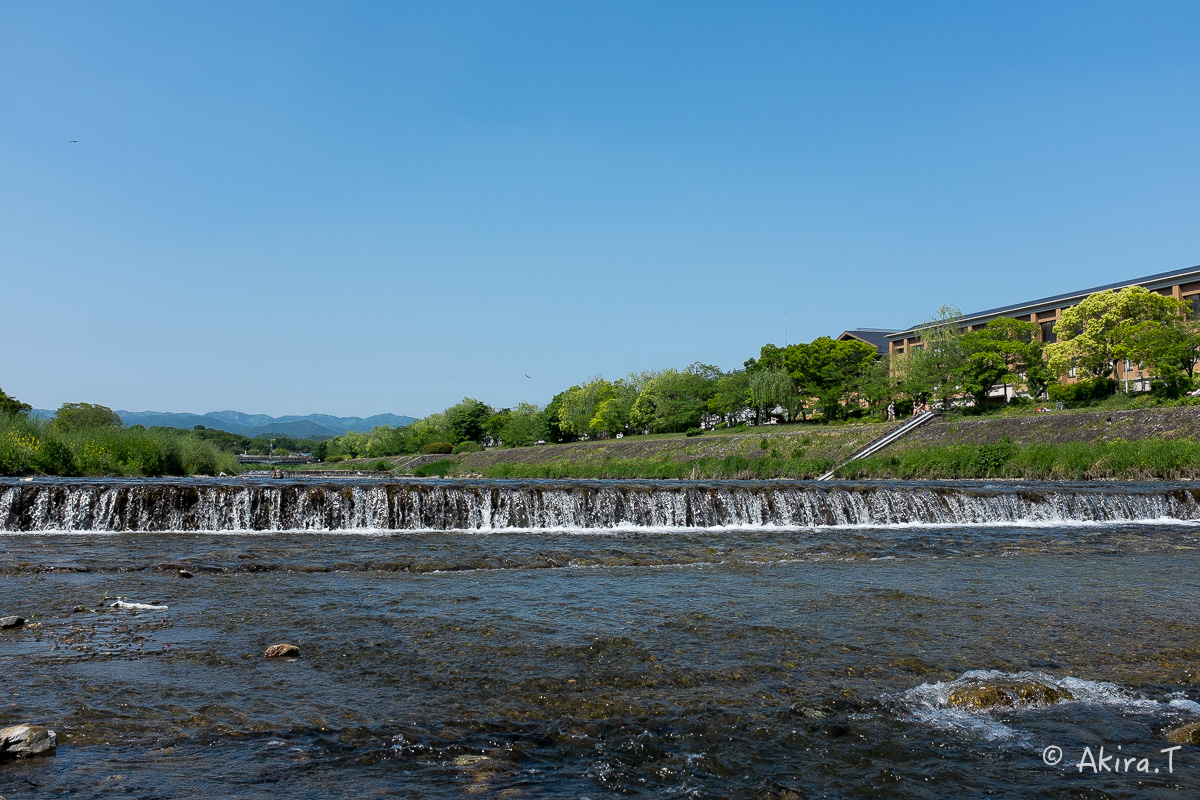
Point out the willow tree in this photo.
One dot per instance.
(770, 388)
(935, 366)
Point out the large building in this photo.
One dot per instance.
(1183, 284)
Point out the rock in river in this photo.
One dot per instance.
(26, 741)
(1184, 734)
(282, 651)
(1006, 694)
(11, 622)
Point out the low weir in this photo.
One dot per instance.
(375, 505)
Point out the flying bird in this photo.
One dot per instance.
(529, 376)
(73, 141)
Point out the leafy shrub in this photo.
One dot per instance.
(993, 457)
(437, 447)
(20, 445)
(334, 459)
(1171, 387)
(443, 467)
(468, 447)
(56, 458)
(693, 432)
(1082, 391)
(381, 466)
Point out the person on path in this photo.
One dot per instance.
(891, 411)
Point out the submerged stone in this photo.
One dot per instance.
(1006, 694)
(1184, 734)
(282, 650)
(27, 741)
(11, 622)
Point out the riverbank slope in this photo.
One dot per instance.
(1137, 444)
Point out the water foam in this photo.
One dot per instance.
(495, 506)
(929, 703)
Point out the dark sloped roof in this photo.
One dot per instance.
(872, 336)
(1054, 301)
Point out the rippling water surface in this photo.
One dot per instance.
(741, 662)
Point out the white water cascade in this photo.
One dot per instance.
(83, 505)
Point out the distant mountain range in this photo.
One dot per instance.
(305, 427)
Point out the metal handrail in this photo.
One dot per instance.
(883, 441)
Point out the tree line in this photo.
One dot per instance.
(827, 380)
(821, 381)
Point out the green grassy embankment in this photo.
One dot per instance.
(769, 451)
(1129, 444)
(785, 451)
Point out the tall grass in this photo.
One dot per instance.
(30, 447)
(662, 468)
(1145, 459)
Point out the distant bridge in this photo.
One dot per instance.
(248, 459)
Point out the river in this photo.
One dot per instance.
(588, 639)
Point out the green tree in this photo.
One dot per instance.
(674, 401)
(74, 416)
(770, 388)
(411, 438)
(1169, 349)
(524, 426)
(355, 444)
(466, 420)
(551, 416)
(878, 386)
(1002, 352)
(614, 412)
(731, 394)
(831, 371)
(10, 405)
(770, 356)
(386, 440)
(935, 367)
(579, 404)
(1105, 328)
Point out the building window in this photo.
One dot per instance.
(1071, 372)
(1048, 331)
(1193, 302)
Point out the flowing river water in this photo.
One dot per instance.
(532, 639)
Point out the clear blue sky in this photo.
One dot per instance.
(357, 208)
